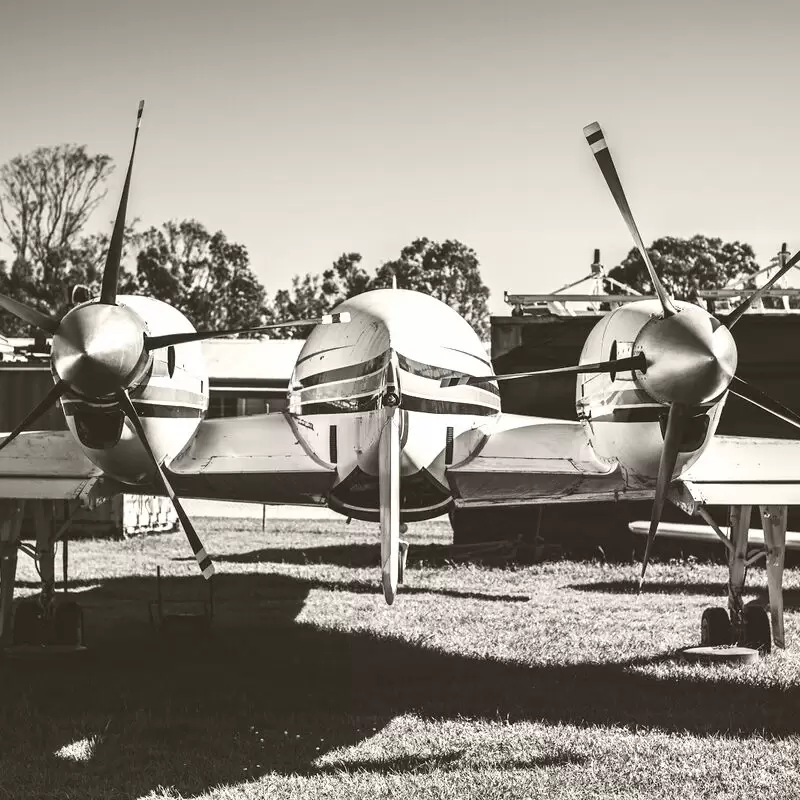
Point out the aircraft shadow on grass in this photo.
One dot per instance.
(265, 693)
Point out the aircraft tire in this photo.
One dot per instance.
(757, 628)
(68, 624)
(715, 627)
(27, 623)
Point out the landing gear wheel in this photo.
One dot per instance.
(758, 633)
(715, 627)
(68, 624)
(27, 623)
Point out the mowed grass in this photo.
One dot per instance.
(551, 680)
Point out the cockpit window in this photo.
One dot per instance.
(98, 428)
(436, 373)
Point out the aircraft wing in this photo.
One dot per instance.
(703, 533)
(251, 459)
(742, 470)
(527, 460)
(50, 465)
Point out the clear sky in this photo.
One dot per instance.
(305, 129)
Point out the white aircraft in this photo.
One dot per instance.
(394, 416)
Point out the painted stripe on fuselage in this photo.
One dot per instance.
(369, 384)
(428, 405)
(358, 387)
(341, 405)
(143, 409)
(349, 372)
(152, 393)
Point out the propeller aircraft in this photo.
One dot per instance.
(394, 416)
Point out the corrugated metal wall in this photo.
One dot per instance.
(22, 386)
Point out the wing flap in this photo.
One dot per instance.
(535, 460)
(50, 465)
(251, 459)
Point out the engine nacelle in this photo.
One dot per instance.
(171, 398)
(625, 423)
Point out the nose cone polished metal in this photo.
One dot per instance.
(691, 357)
(99, 349)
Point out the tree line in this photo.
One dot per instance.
(48, 196)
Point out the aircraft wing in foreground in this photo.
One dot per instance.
(705, 534)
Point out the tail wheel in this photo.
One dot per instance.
(68, 624)
(758, 634)
(715, 627)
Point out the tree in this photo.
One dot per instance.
(46, 199)
(314, 295)
(686, 266)
(203, 275)
(448, 271)
(344, 279)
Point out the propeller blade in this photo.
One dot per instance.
(740, 310)
(28, 314)
(203, 561)
(108, 292)
(678, 414)
(154, 342)
(638, 362)
(596, 139)
(50, 399)
(755, 396)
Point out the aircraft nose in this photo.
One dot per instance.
(99, 349)
(691, 357)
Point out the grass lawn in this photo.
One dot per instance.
(553, 680)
